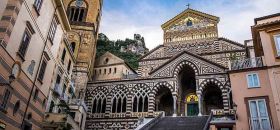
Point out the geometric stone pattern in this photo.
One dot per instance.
(206, 72)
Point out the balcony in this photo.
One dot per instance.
(246, 63)
(57, 90)
(58, 120)
(77, 102)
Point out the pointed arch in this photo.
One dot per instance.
(119, 98)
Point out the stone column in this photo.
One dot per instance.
(174, 106)
(199, 104)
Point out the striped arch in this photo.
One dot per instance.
(94, 96)
(162, 84)
(118, 94)
(204, 83)
(180, 66)
(226, 97)
(222, 87)
(152, 95)
(140, 92)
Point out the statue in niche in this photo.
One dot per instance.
(30, 68)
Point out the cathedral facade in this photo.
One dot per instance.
(185, 76)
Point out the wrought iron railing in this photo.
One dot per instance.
(246, 63)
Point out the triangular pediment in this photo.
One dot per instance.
(202, 65)
(199, 19)
(157, 52)
(108, 59)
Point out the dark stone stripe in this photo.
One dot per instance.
(6, 18)
(5, 65)
(30, 105)
(9, 120)
(24, 85)
(13, 7)
(21, 113)
(20, 81)
(3, 43)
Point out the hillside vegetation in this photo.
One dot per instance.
(104, 45)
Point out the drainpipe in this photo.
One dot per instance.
(37, 73)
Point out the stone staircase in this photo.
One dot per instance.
(181, 123)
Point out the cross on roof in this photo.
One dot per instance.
(188, 5)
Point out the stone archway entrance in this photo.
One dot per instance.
(188, 101)
(212, 98)
(164, 101)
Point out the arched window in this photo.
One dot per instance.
(16, 107)
(77, 12)
(73, 46)
(146, 104)
(119, 108)
(114, 105)
(135, 104)
(99, 105)
(119, 99)
(93, 106)
(124, 105)
(51, 107)
(140, 105)
(140, 99)
(103, 109)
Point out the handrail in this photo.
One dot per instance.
(206, 127)
(152, 122)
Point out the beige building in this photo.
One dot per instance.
(40, 41)
(255, 81)
(110, 67)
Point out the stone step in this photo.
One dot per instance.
(181, 123)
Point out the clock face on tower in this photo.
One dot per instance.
(16, 69)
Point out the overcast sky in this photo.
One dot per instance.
(123, 18)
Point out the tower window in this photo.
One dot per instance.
(76, 14)
(73, 46)
(38, 4)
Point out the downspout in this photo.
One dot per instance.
(37, 72)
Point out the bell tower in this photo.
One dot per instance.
(84, 17)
